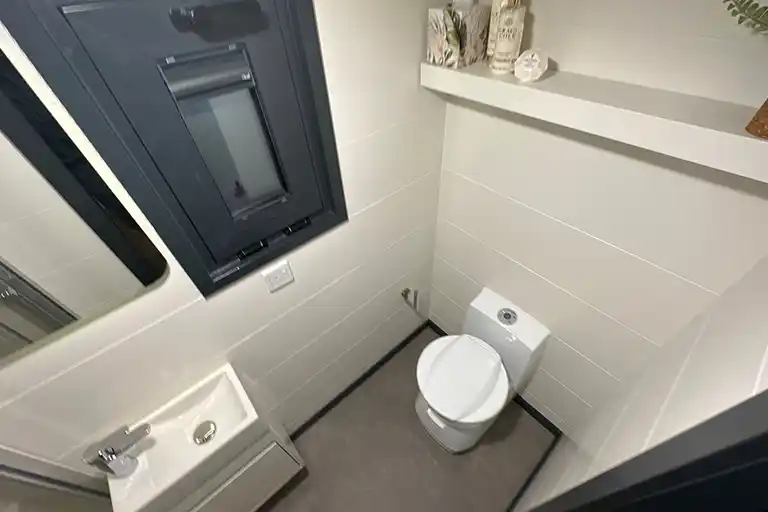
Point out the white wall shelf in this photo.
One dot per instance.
(707, 132)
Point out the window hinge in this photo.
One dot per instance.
(297, 226)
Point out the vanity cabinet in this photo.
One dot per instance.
(253, 485)
(239, 476)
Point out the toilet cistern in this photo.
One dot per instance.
(111, 454)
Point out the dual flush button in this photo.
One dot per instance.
(507, 316)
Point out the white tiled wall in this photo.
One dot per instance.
(42, 237)
(613, 247)
(699, 230)
(717, 361)
(295, 349)
(689, 46)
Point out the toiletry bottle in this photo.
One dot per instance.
(509, 38)
(493, 26)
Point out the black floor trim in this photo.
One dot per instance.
(519, 400)
(439, 330)
(349, 389)
(534, 473)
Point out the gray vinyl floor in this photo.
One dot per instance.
(370, 453)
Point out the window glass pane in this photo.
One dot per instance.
(237, 151)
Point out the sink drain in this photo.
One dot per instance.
(204, 432)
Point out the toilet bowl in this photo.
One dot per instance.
(460, 398)
(466, 380)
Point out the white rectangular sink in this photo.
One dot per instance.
(170, 452)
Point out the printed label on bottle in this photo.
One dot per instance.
(493, 26)
(509, 37)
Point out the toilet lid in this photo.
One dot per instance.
(462, 378)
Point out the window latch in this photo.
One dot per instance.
(297, 226)
(252, 249)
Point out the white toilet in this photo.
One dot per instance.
(466, 380)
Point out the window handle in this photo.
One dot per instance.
(220, 22)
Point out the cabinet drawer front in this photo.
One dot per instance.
(250, 487)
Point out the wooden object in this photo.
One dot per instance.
(759, 124)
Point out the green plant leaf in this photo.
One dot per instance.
(750, 13)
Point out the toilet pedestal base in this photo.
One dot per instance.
(453, 436)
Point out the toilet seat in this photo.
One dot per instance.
(463, 379)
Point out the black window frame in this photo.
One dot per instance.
(44, 35)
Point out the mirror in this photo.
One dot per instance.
(69, 251)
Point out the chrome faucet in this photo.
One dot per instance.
(110, 454)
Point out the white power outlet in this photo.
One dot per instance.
(278, 275)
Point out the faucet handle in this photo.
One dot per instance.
(125, 439)
(109, 454)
